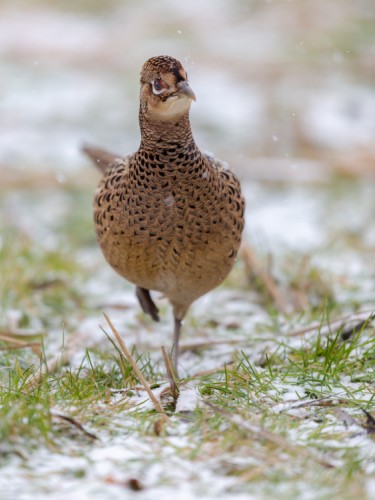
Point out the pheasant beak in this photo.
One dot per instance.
(185, 90)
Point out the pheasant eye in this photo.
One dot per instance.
(159, 85)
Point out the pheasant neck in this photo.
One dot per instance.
(161, 134)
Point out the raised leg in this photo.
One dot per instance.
(176, 340)
(147, 303)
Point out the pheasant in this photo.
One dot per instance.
(168, 217)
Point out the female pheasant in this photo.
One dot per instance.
(168, 217)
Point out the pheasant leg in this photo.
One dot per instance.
(147, 303)
(176, 340)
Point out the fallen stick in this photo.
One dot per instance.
(362, 318)
(129, 357)
(74, 422)
(253, 265)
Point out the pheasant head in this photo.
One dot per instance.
(165, 91)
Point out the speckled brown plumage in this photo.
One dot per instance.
(168, 217)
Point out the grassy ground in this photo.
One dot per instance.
(267, 404)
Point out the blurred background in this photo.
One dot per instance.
(282, 79)
(285, 94)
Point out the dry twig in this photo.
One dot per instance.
(14, 342)
(129, 357)
(195, 346)
(253, 266)
(362, 319)
(74, 422)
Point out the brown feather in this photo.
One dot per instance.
(101, 158)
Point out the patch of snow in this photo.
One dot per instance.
(341, 117)
(188, 400)
(285, 220)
